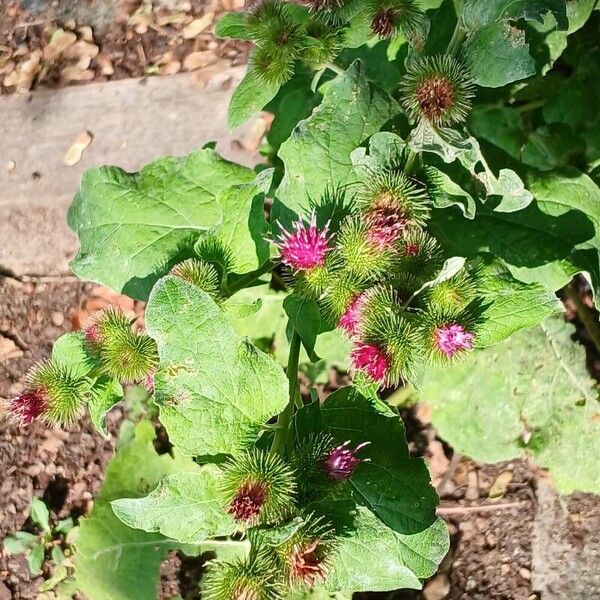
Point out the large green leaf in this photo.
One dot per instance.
(508, 305)
(498, 54)
(373, 557)
(183, 507)
(133, 226)
(547, 242)
(531, 394)
(215, 389)
(394, 486)
(112, 561)
(475, 13)
(251, 95)
(317, 154)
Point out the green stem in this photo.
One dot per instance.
(591, 324)
(410, 162)
(457, 39)
(285, 418)
(529, 106)
(333, 67)
(245, 280)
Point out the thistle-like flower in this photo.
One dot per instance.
(252, 578)
(451, 339)
(199, 273)
(437, 89)
(257, 487)
(341, 461)
(53, 394)
(372, 360)
(351, 319)
(304, 247)
(104, 324)
(385, 226)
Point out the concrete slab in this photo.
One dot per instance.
(132, 121)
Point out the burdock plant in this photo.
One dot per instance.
(392, 225)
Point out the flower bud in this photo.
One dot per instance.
(437, 89)
(451, 296)
(342, 289)
(388, 17)
(341, 462)
(448, 337)
(257, 487)
(107, 323)
(322, 44)
(452, 338)
(199, 273)
(53, 393)
(372, 360)
(212, 250)
(250, 578)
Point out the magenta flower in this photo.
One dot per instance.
(248, 501)
(305, 247)
(385, 226)
(350, 320)
(28, 406)
(411, 249)
(451, 338)
(372, 360)
(92, 334)
(340, 463)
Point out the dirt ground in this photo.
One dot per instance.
(491, 555)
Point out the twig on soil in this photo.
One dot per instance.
(454, 462)
(443, 511)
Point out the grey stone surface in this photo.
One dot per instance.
(566, 545)
(132, 122)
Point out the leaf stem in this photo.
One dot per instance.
(591, 324)
(333, 67)
(285, 418)
(410, 162)
(458, 35)
(249, 278)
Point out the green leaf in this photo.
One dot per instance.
(113, 561)
(64, 526)
(509, 305)
(502, 126)
(547, 242)
(70, 350)
(251, 95)
(451, 194)
(396, 487)
(373, 557)
(317, 155)
(475, 13)
(304, 316)
(498, 54)
(19, 542)
(133, 226)
(551, 146)
(244, 227)
(35, 559)
(105, 394)
(183, 507)
(215, 389)
(40, 514)
(530, 395)
(232, 25)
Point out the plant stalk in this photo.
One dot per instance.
(333, 67)
(456, 40)
(592, 326)
(250, 278)
(285, 418)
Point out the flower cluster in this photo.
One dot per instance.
(376, 277)
(260, 489)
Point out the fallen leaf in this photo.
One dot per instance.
(74, 153)
(196, 60)
(81, 49)
(499, 487)
(197, 26)
(58, 43)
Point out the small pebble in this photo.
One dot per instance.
(57, 318)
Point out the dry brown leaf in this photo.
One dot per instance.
(197, 26)
(81, 49)
(58, 43)
(499, 487)
(74, 153)
(197, 60)
(106, 66)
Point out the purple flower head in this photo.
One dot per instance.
(248, 502)
(341, 461)
(304, 247)
(451, 338)
(385, 227)
(29, 405)
(372, 360)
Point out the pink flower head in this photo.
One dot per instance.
(372, 360)
(411, 249)
(92, 334)
(385, 226)
(29, 405)
(340, 463)
(305, 247)
(450, 339)
(148, 381)
(350, 320)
